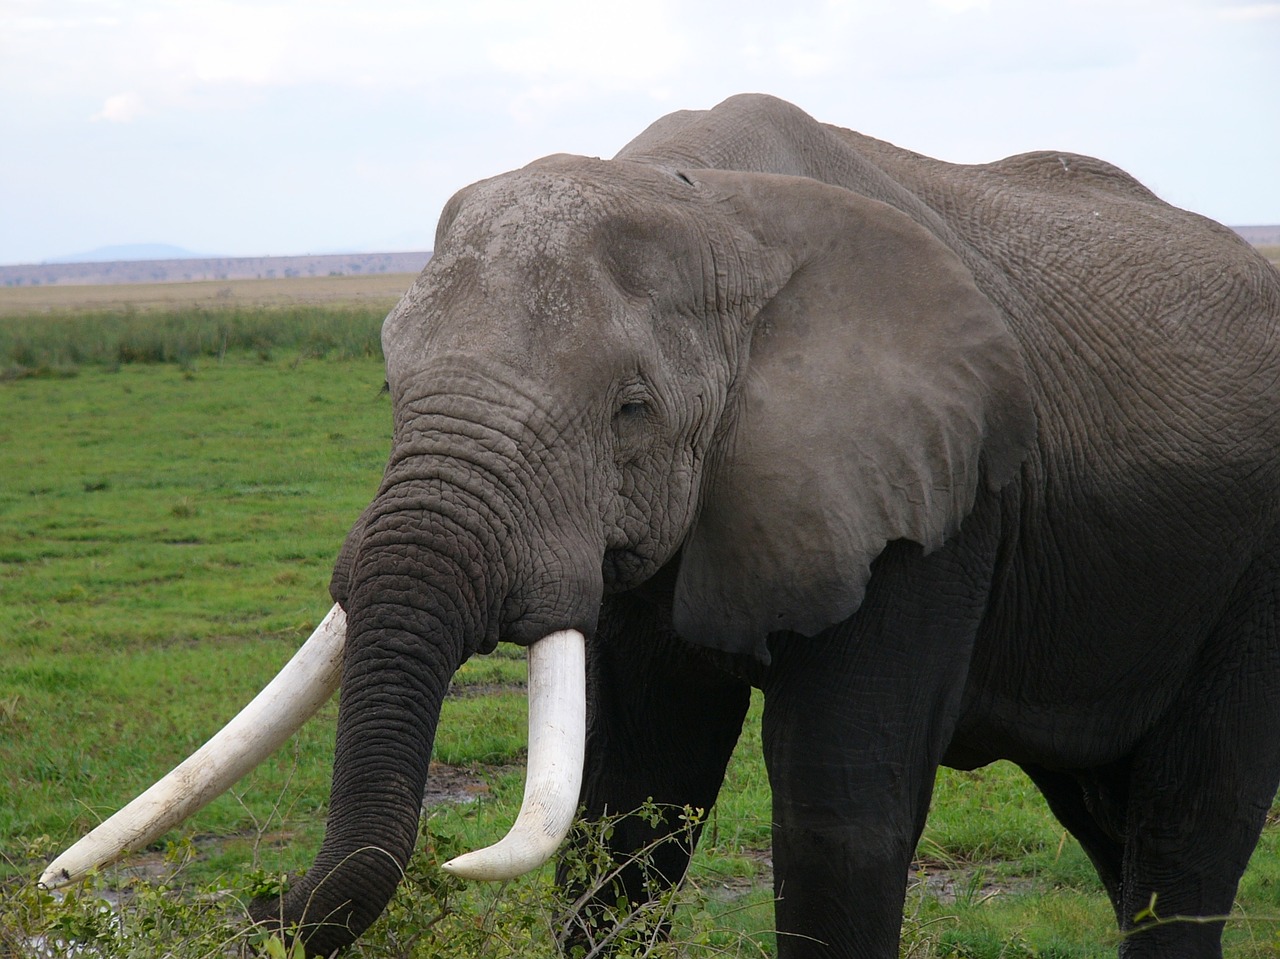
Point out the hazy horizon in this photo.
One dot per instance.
(1258, 233)
(142, 252)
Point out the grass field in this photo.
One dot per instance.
(166, 534)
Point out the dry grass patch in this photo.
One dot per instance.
(379, 288)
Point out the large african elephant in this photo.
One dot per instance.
(955, 463)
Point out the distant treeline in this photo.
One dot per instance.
(1260, 235)
(61, 343)
(213, 268)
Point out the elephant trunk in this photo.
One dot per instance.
(418, 606)
(393, 685)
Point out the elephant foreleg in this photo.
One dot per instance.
(855, 724)
(662, 723)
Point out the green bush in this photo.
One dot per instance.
(432, 915)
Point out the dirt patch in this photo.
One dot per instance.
(455, 785)
(151, 866)
(475, 690)
(733, 888)
(947, 884)
(969, 883)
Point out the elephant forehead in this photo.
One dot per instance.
(520, 329)
(564, 206)
(561, 268)
(543, 207)
(524, 243)
(535, 314)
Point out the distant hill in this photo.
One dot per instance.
(129, 251)
(177, 269)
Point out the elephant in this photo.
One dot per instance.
(955, 463)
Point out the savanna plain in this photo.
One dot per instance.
(178, 472)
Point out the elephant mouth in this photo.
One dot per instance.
(626, 568)
(557, 739)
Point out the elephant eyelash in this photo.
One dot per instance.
(633, 402)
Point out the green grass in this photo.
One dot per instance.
(166, 536)
(61, 342)
(165, 543)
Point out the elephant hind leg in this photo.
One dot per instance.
(1203, 780)
(1093, 807)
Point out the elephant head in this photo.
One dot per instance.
(608, 369)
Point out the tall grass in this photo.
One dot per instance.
(59, 342)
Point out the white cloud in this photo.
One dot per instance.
(251, 105)
(803, 59)
(963, 6)
(121, 108)
(1252, 11)
(585, 38)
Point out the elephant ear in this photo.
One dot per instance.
(881, 387)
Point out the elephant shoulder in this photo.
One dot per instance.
(1058, 171)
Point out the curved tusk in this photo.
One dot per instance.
(557, 739)
(304, 685)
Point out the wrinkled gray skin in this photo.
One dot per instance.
(954, 462)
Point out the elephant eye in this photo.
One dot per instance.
(633, 409)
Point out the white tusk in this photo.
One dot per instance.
(304, 685)
(557, 739)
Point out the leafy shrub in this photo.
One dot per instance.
(432, 914)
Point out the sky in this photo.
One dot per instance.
(282, 127)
